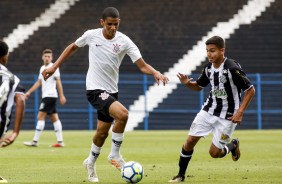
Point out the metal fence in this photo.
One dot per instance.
(264, 112)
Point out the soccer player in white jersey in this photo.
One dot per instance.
(11, 92)
(50, 89)
(107, 48)
(222, 110)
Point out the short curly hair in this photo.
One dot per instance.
(3, 48)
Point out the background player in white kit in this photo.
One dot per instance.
(50, 90)
(107, 48)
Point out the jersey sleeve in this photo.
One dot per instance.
(20, 89)
(40, 73)
(240, 79)
(57, 74)
(132, 50)
(203, 80)
(82, 41)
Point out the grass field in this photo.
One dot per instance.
(157, 151)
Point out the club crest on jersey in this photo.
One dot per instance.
(104, 95)
(223, 79)
(116, 48)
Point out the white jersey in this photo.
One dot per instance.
(49, 88)
(105, 57)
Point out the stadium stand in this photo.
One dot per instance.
(20, 12)
(163, 30)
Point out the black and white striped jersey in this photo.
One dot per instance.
(8, 102)
(227, 83)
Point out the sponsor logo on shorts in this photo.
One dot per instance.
(224, 137)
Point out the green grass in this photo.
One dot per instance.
(157, 151)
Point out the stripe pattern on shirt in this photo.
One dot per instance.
(227, 83)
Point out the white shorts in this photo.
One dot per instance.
(205, 123)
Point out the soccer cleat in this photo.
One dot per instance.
(2, 180)
(117, 162)
(91, 169)
(177, 179)
(31, 143)
(58, 145)
(236, 150)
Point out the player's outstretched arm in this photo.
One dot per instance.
(19, 115)
(184, 79)
(69, 51)
(36, 85)
(148, 69)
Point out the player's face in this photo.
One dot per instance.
(4, 59)
(215, 55)
(110, 27)
(47, 58)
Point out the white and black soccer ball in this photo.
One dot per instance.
(132, 172)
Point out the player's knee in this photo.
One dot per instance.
(123, 116)
(102, 135)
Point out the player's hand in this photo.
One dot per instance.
(48, 72)
(237, 118)
(8, 140)
(26, 95)
(184, 79)
(63, 100)
(160, 77)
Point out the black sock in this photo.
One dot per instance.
(185, 157)
(230, 146)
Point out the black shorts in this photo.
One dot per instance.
(101, 101)
(48, 105)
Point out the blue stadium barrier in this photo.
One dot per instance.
(266, 103)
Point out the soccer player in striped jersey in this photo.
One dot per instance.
(222, 111)
(107, 48)
(11, 92)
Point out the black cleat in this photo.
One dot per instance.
(176, 179)
(236, 150)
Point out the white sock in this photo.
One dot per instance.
(117, 139)
(94, 153)
(58, 130)
(38, 131)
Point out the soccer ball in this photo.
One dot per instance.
(132, 172)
